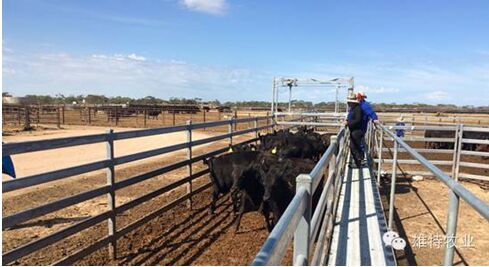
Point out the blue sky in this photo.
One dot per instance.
(398, 51)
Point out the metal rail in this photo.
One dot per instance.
(299, 221)
(111, 187)
(457, 191)
(458, 144)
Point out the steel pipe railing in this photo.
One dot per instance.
(298, 220)
(457, 191)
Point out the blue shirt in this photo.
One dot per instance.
(368, 114)
(8, 166)
(400, 132)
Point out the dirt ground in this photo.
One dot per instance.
(421, 215)
(29, 163)
(194, 237)
(176, 237)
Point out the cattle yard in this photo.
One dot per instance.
(17, 117)
(59, 214)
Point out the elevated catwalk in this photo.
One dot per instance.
(360, 223)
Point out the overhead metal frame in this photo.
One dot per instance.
(337, 83)
(289, 82)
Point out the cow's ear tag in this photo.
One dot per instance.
(230, 149)
(274, 150)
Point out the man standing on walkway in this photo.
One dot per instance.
(368, 114)
(354, 123)
(368, 111)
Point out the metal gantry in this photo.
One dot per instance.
(325, 83)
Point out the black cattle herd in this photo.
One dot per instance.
(262, 178)
(451, 134)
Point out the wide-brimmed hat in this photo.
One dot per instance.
(351, 100)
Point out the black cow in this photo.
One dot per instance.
(292, 146)
(241, 148)
(298, 147)
(280, 184)
(451, 134)
(439, 134)
(475, 135)
(251, 190)
(269, 186)
(225, 171)
(153, 114)
(121, 112)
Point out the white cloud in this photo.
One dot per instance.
(8, 72)
(119, 57)
(215, 7)
(136, 57)
(379, 90)
(437, 95)
(410, 82)
(129, 75)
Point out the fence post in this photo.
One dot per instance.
(255, 125)
(18, 114)
(393, 186)
(63, 114)
(173, 117)
(204, 116)
(332, 161)
(230, 131)
(235, 117)
(379, 155)
(89, 116)
(301, 236)
(38, 117)
(456, 148)
(111, 195)
(27, 119)
(116, 116)
(189, 157)
(58, 118)
(269, 121)
(453, 201)
(145, 113)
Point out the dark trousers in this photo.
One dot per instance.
(356, 141)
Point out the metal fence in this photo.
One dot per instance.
(110, 189)
(457, 191)
(299, 222)
(457, 141)
(135, 116)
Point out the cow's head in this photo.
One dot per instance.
(208, 162)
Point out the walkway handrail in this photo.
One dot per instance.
(456, 189)
(461, 191)
(297, 219)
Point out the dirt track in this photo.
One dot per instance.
(29, 163)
